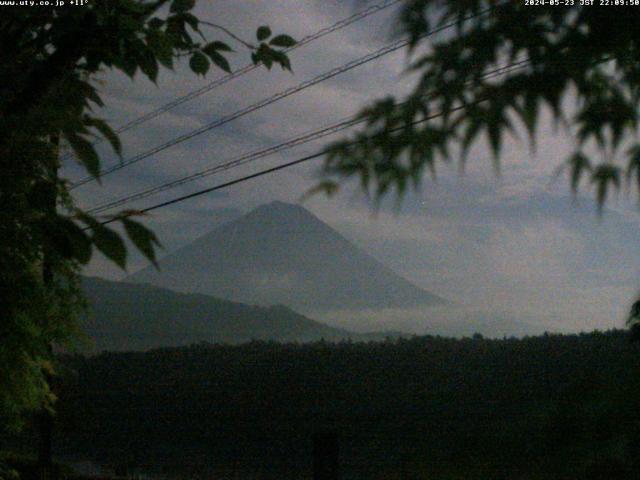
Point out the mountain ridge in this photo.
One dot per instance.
(281, 253)
(126, 316)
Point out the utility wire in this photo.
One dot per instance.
(250, 67)
(243, 159)
(255, 155)
(345, 22)
(270, 170)
(392, 47)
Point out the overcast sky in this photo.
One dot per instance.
(515, 253)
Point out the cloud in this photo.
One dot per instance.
(513, 252)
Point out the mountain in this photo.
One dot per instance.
(282, 254)
(127, 316)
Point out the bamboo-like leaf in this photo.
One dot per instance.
(578, 164)
(603, 176)
(633, 166)
(328, 187)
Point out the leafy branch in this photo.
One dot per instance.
(48, 89)
(587, 55)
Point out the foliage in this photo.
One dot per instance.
(633, 321)
(26, 467)
(48, 101)
(554, 406)
(589, 56)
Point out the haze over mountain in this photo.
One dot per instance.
(282, 254)
(513, 261)
(127, 316)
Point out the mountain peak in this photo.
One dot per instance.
(281, 208)
(281, 253)
(278, 204)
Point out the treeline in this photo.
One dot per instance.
(555, 406)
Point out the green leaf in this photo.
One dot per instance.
(578, 163)
(156, 23)
(110, 244)
(285, 63)
(216, 46)
(105, 239)
(176, 32)
(128, 65)
(191, 19)
(90, 92)
(472, 130)
(529, 115)
(282, 41)
(72, 241)
(282, 59)
(159, 43)
(199, 63)
(326, 187)
(179, 6)
(219, 60)
(85, 153)
(143, 238)
(148, 63)
(267, 60)
(633, 166)
(263, 33)
(264, 54)
(494, 134)
(603, 176)
(106, 131)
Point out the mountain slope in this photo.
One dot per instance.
(127, 316)
(283, 254)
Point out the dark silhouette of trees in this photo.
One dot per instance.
(559, 405)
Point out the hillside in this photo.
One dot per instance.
(282, 254)
(128, 316)
(537, 408)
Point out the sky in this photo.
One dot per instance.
(516, 253)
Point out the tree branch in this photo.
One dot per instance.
(230, 33)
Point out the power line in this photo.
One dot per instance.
(250, 67)
(247, 110)
(295, 162)
(345, 22)
(392, 47)
(269, 170)
(255, 155)
(246, 158)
